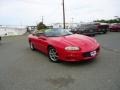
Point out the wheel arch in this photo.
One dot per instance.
(50, 46)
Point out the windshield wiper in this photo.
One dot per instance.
(67, 34)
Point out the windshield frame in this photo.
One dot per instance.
(57, 32)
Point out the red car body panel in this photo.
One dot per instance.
(86, 44)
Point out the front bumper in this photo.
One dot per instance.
(78, 55)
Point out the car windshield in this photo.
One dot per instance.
(57, 32)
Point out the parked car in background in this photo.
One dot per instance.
(114, 27)
(85, 29)
(62, 45)
(102, 28)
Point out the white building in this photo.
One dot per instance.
(12, 30)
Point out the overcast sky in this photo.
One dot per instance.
(29, 12)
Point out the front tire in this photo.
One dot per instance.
(53, 55)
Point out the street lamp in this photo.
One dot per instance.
(63, 15)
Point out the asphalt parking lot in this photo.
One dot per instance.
(24, 69)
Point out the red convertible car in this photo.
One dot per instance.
(62, 45)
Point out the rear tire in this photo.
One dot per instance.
(104, 32)
(31, 46)
(111, 30)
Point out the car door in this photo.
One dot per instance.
(42, 43)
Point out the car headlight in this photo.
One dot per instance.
(72, 48)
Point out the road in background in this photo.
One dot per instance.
(24, 69)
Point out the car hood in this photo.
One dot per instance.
(84, 42)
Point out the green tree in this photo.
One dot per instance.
(41, 26)
(109, 21)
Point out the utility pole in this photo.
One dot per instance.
(72, 21)
(63, 15)
(42, 19)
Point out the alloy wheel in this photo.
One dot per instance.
(53, 55)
